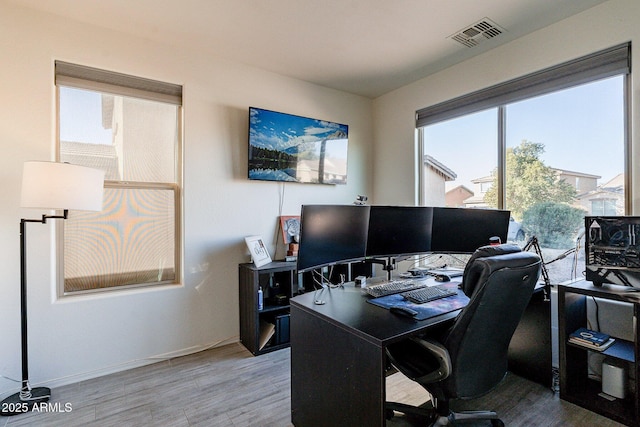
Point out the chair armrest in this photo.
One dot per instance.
(441, 354)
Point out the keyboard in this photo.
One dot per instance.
(430, 293)
(393, 287)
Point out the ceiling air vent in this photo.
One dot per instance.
(475, 34)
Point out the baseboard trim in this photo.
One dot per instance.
(83, 376)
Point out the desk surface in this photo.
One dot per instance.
(347, 307)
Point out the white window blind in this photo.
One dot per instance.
(129, 127)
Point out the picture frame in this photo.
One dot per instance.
(290, 226)
(259, 253)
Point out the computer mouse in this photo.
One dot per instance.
(403, 311)
(442, 278)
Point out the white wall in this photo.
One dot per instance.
(603, 26)
(74, 338)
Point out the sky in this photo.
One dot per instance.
(280, 131)
(579, 134)
(83, 109)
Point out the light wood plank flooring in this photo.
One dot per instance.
(227, 386)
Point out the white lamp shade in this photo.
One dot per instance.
(51, 185)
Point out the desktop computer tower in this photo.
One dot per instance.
(612, 250)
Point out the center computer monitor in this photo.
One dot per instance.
(399, 230)
(463, 230)
(330, 234)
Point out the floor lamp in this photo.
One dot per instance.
(51, 186)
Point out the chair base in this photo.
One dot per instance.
(476, 416)
(430, 417)
(417, 415)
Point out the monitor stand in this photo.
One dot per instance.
(388, 264)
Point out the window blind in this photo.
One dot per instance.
(606, 63)
(82, 77)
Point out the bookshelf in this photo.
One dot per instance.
(575, 384)
(265, 330)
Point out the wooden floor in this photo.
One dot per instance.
(227, 386)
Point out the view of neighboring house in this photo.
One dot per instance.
(605, 199)
(435, 176)
(481, 186)
(583, 183)
(334, 170)
(94, 155)
(455, 197)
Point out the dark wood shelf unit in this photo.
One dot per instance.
(279, 279)
(575, 385)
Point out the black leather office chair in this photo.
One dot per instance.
(470, 358)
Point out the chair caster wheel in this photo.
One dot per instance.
(497, 423)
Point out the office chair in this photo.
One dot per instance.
(470, 358)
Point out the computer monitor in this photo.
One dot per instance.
(330, 234)
(399, 230)
(612, 250)
(463, 230)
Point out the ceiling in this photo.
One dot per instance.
(365, 47)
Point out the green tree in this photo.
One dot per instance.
(529, 181)
(554, 224)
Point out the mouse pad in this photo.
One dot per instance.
(429, 309)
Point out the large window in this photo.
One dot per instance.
(550, 147)
(130, 128)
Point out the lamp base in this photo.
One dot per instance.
(15, 405)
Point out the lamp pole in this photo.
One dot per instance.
(51, 186)
(27, 397)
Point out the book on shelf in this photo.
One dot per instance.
(590, 346)
(591, 339)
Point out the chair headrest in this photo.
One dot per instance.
(469, 278)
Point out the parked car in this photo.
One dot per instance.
(515, 232)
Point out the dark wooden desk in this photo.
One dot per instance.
(338, 357)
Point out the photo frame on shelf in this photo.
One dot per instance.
(259, 253)
(290, 226)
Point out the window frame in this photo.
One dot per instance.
(102, 81)
(614, 61)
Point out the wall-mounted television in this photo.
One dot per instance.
(290, 148)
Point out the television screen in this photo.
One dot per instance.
(284, 147)
(612, 250)
(460, 230)
(399, 230)
(330, 234)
